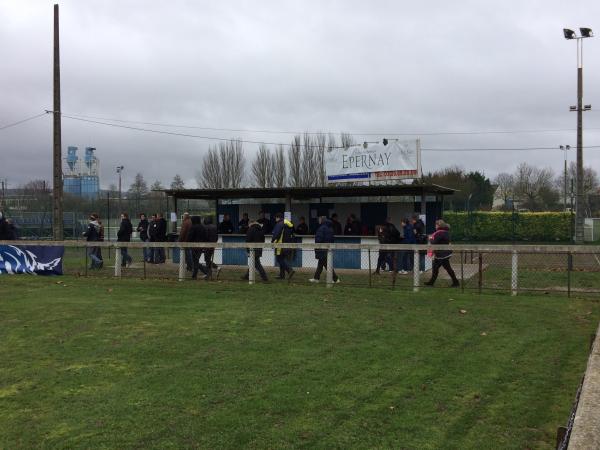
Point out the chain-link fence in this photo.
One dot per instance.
(513, 269)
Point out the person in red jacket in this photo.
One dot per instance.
(441, 258)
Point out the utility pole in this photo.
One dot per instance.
(119, 171)
(580, 197)
(57, 186)
(565, 148)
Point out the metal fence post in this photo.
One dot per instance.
(515, 273)
(569, 270)
(370, 276)
(251, 266)
(416, 271)
(181, 263)
(329, 267)
(118, 260)
(480, 273)
(462, 270)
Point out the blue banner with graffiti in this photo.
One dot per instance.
(31, 259)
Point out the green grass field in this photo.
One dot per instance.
(101, 363)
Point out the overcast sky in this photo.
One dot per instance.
(355, 66)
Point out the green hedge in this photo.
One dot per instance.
(498, 226)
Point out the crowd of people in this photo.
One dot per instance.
(353, 225)
(412, 231)
(195, 229)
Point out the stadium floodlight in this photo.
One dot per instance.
(580, 108)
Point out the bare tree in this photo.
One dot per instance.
(535, 187)
(591, 184)
(590, 178)
(155, 189)
(295, 162)
(210, 176)
(309, 164)
(320, 142)
(263, 167)
(279, 169)
(139, 187)
(506, 186)
(347, 140)
(233, 171)
(177, 182)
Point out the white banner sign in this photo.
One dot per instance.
(395, 161)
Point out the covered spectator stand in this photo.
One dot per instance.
(372, 205)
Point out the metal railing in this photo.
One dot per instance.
(504, 268)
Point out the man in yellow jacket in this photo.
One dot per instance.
(283, 233)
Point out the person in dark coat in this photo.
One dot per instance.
(283, 233)
(356, 226)
(98, 250)
(420, 238)
(186, 226)
(382, 258)
(243, 224)
(324, 235)
(153, 237)
(142, 229)
(394, 236)
(124, 235)
(255, 233)
(3, 228)
(197, 233)
(161, 237)
(348, 227)
(212, 235)
(336, 225)
(441, 258)
(226, 226)
(12, 230)
(92, 234)
(302, 227)
(266, 223)
(407, 256)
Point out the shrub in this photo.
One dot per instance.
(500, 226)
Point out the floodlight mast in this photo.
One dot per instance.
(579, 209)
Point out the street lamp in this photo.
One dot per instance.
(565, 148)
(119, 170)
(579, 219)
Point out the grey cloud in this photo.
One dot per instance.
(340, 65)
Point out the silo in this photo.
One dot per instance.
(72, 184)
(72, 158)
(90, 186)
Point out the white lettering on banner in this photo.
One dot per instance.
(397, 160)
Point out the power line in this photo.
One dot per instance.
(496, 149)
(172, 133)
(370, 133)
(22, 121)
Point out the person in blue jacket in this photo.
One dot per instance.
(407, 256)
(323, 235)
